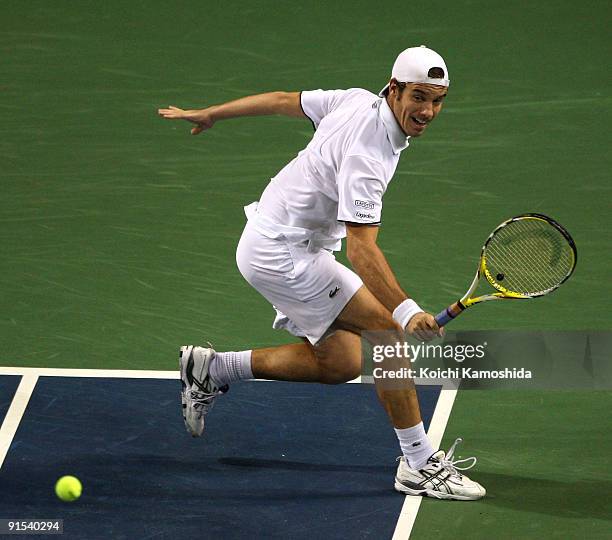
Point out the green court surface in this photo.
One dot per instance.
(119, 229)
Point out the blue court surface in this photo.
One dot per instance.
(278, 460)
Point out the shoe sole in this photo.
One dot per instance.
(433, 494)
(184, 356)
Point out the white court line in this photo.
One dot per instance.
(111, 373)
(442, 412)
(108, 373)
(15, 413)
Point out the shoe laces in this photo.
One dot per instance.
(203, 400)
(452, 465)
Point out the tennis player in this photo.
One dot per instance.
(332, 190)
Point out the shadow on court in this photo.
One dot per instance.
(277, 460)
(298, 466)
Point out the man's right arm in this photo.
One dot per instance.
(285, 103)
(371, 265)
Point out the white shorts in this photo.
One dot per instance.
(308, 289)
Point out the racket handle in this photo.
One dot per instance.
(447, 315)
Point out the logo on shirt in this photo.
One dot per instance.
(364, 216)
(334, 292)
(368, 205)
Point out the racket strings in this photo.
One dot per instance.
(527, 267)
(528, 256)
(533, 257)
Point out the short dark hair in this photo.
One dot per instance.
(435, 73)
(400, 85)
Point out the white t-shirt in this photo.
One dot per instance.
(343, 173)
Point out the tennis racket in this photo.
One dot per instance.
(525, 257)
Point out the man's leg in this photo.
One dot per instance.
(335, 360)
(367, 316)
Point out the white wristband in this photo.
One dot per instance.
(405, 311)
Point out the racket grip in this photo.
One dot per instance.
(444, 317)
(447, 315)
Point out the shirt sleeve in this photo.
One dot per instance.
(317, 104)
(361, 188)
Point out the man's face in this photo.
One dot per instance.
(416, 105)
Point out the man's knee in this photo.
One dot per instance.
(341, 371)
(339, 358)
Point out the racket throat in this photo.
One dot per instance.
(455, 309)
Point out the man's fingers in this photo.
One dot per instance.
(171, 112)
(433, 327)
(196, 130)
(421, 332)
(426, 331)
(430, 323)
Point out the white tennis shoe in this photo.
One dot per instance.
(439, 478)
(199, 391)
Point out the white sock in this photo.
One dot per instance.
(227, 367)
(415, 445)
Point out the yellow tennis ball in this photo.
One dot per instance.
(68, 488)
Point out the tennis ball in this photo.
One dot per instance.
(68, 488)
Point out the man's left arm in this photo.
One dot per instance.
(373, 268)
(285, 103)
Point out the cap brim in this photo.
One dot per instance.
(382, 92)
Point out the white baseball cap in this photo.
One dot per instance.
(416, 65)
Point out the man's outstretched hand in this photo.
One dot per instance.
(202, 118)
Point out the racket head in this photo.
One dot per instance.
(527, 256)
